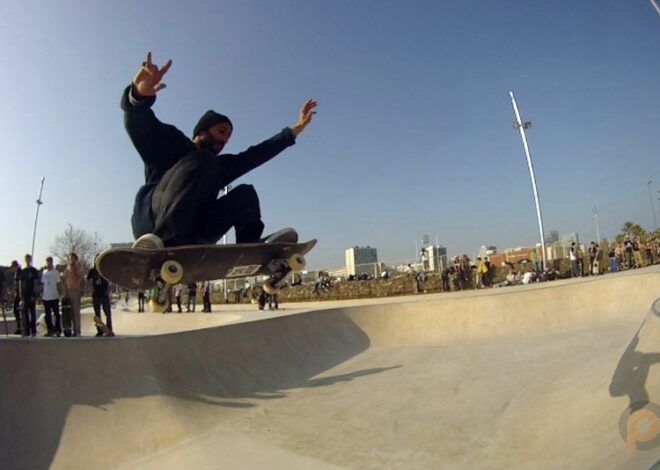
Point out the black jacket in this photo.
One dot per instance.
(162, 145)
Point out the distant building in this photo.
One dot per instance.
(561, 247)
(436, 258)
(554, 251)
(361, 260)
(512, 255)
(485, 251)
(335, 273)
(552, 237)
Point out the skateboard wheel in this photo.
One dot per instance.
(297, 262)
(171, 272)
(269, 289)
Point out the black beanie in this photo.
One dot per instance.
(210, 118)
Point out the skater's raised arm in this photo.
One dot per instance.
(156, 142)
(234, 166)
(304, 117)
(148, 80)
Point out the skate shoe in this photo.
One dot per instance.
(286, 235)
(148, 241)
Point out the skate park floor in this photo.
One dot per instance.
(540, 376)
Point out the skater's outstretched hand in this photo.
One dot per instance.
(305, 116)
(147, 82)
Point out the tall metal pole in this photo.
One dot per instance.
(595, 212)
(655, 5)
(36, 217)
(521, 127)
(225, 294)
(655, 223)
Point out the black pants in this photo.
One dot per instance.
(17, 311)
(185, 207)
(29, 316)
(207, 302)
(53, 307)
(445, 285)
(102, 303)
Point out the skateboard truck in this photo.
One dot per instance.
(171, 273)
(280, 269)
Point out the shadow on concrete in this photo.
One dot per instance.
(632, 372)
(232, 366)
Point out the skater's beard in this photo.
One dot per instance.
(206, 142)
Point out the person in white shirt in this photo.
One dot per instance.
(50, 279)
(177, 295)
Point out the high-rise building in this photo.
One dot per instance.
(361, 260)
(434, 258)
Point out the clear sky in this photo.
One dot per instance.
(413, 134)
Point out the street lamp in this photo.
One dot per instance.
(225, 294)
(36, 217)
(648, 185)
(595, 212)
(521, 126)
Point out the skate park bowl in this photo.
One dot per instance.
(563, 374)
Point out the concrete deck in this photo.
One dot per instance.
(536, 377)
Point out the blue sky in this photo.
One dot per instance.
(413, 134)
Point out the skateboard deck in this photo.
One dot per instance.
(141, 269)
(67, 317)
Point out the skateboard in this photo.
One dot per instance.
(102, 326)
(67, 316)
(142, 269)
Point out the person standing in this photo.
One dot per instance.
(192, 297)
(29, 288)
(481, 271)
(628, 248)
(206, 295)
(50, 279)
(100, 288)
(573, 257)
(73, 277)
(648, 248)
(16, 269)
(444, 276)
(141, 301)
(618, 257)
(177, 295)
(637, 252)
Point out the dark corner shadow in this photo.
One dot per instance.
(632, 373)
(346, 377)
(226, 366)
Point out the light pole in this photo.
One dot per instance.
(521, 126)
(225, 294)
(36, 217)
(595, 212)
(648, 185)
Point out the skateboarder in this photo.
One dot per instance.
(179, 204)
